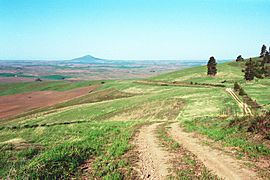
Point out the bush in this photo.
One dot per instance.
(242, 92)
(236, 86)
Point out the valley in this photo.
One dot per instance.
(86, 68)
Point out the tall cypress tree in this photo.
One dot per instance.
(211, 66)
(249, 70)
(263, 51)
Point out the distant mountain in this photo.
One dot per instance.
(89, 59)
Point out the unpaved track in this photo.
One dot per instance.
(243, 106)
(153, 160)
(221, 164)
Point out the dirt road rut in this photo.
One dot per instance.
(153, 160)
(221, 164)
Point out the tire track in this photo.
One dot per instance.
(221, 164)
(153, 160)
(243, 106)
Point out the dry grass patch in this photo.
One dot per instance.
(161, 110)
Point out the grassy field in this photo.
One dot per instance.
(55, 141)
(51, 77)
(228, 72)
(16, 88)
(57, 151)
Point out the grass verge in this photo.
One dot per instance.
(56, 152)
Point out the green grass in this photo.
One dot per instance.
(51, 77)
(15, 74)
(54, 77)
(230, 72)
(57, 151)
(16, 88)
(53, 142)
(220, 130)
(258, 90)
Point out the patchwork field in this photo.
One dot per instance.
(85, 68)
(161, 127)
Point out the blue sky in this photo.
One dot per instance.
(133, 29)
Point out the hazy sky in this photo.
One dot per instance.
(133, 29)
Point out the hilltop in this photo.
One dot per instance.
(89, 59)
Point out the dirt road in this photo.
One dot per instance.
(243, 106)
(153, 160)
(221, 164)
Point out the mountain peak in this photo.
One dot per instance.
(88, 59)
(88, 56)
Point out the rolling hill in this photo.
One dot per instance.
(89, 60)
(115, 131)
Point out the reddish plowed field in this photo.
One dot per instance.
(11, 105)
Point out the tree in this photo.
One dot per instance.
(38, 80)
(211, 67)
(249, 70)
(258, 70)
(263, 51)
(267, 57)
(239, 58)
(265, 68)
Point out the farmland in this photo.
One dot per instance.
(101, 133)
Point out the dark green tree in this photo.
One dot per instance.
(263, 51)
(249, 70)
(265, 68)
(211, 67)
(267, 57)
(239, 58)
(258, 71)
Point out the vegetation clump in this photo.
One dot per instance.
(259, 125)
(236, 86)
(265, 65)
(249, 70)
(211, 67)
(242, 92)
(38, 80)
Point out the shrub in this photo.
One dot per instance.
(242, 92)
(236, 86)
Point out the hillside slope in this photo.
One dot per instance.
(227, 74)
(230, 71)
(95, 136)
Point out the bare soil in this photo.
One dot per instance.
(15, 79)
(153, 160)
(11, 105)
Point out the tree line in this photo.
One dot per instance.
(258, 69)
